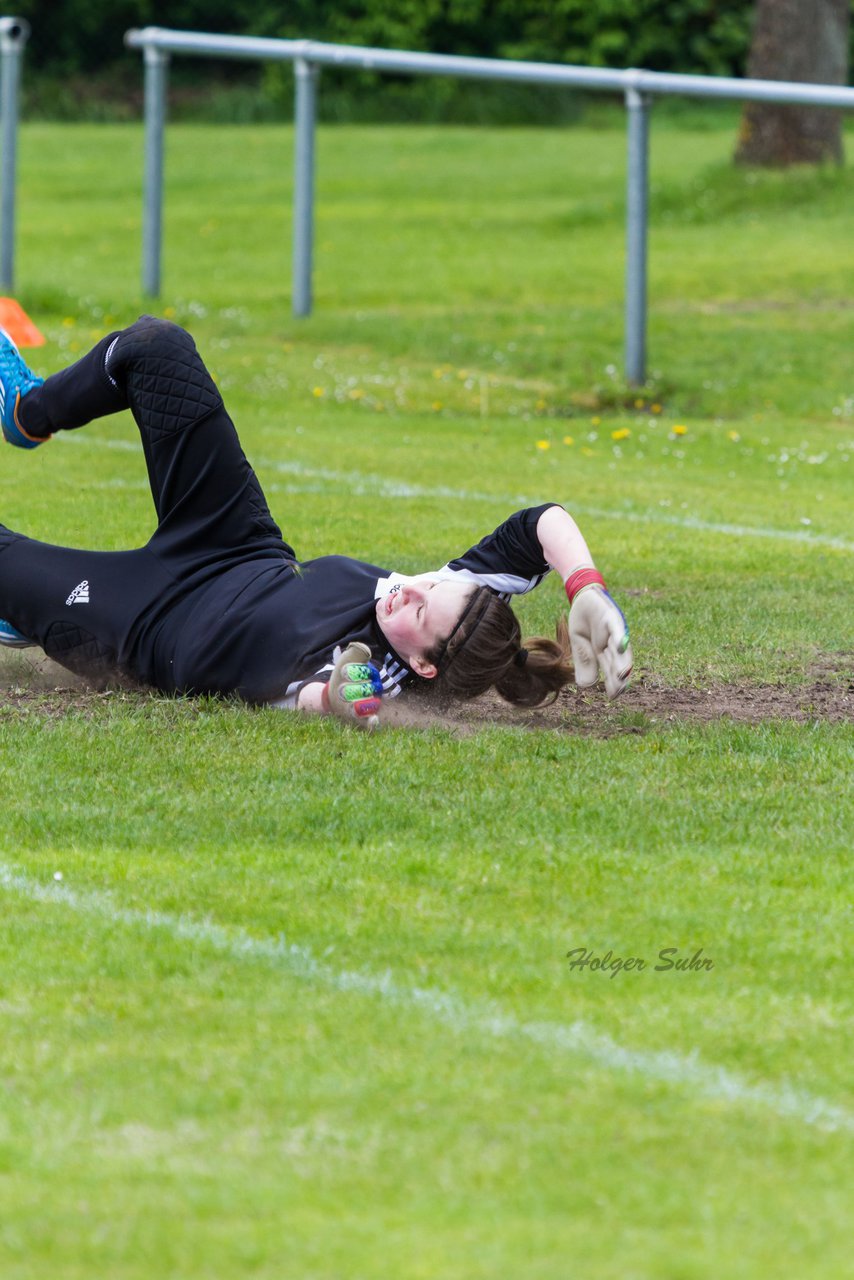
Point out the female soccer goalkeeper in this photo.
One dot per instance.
(218, 602)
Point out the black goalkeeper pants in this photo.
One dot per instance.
(100, 611)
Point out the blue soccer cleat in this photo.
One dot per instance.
(16, 379)
(12, 638)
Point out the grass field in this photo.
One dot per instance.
(280, 1000)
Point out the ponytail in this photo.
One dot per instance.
(486, 649)
(546, 668)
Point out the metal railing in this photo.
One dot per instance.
(14, 33)
(637, 86)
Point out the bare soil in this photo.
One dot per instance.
(827, 695)
(37, 686)
(648, 703)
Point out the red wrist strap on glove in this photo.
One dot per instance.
(582, 578)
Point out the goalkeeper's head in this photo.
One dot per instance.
(485, 649)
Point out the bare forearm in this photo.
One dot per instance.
(311, 699)
(562, 541)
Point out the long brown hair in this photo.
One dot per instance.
(486, 649)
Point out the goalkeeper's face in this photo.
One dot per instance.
(418, 615)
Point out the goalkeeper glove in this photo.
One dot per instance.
(355, 688)
(598, 633)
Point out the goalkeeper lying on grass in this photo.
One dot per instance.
(217, 601)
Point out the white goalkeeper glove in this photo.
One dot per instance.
(355, 688)
(598, 633)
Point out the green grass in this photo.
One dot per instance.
(300, 1004)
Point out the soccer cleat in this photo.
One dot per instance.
(16, 379)
(12, 638)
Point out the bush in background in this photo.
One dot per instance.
(77, 67)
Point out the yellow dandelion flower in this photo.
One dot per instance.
(588, 453)
(318, 391)
(656, 408)
(680, 430)
(167, 311)
(639, 404)
(355, 393)
(437, 405)
(541, 404)
(544, 444)
(733, 435)
(568, 440)
(622, 433)
(594, 422)
(69, 322)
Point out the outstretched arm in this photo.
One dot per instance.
(517, 556)
(598, 632)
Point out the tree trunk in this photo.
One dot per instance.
(801, 40)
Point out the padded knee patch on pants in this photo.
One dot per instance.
(167, 384)
(78, 650)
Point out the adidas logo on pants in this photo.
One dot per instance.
(80, 594)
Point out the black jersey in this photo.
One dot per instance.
(264, 628)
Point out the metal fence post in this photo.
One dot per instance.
(305, 113)
(156, 67)
(637, 199)
(14, 33)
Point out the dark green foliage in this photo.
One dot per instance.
(685, 35)
(76, 59)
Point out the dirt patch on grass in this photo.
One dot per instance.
(649, 703)
(53, 704)
(39, 687)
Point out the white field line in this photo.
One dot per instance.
(576, 1038)
(361, 484)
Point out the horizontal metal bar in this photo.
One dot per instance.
(814, 95)
(340, 55)
(200, 44)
